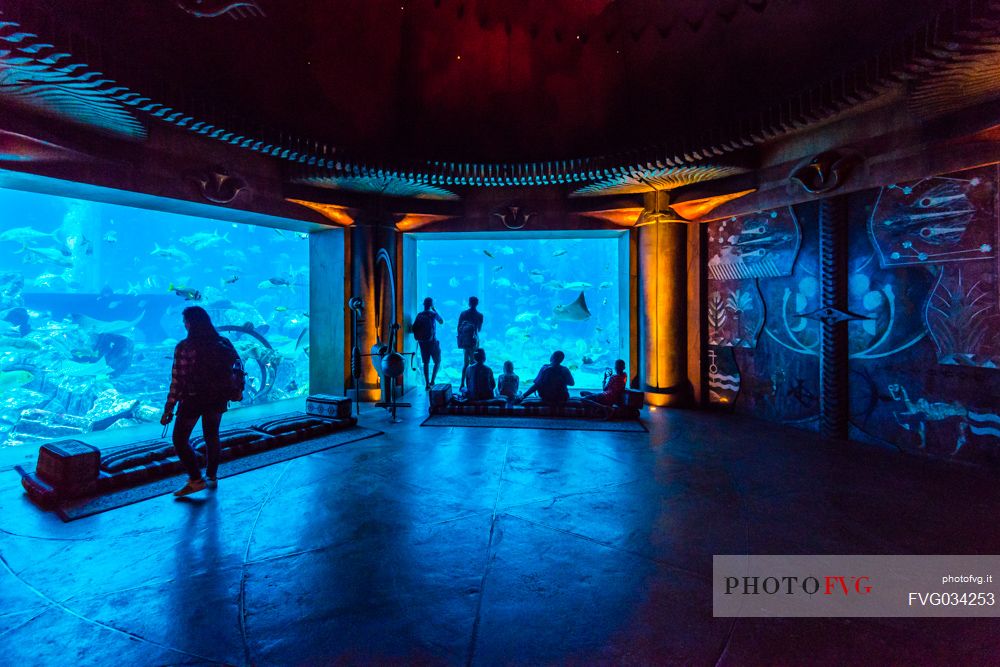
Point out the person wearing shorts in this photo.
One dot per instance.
(430, 348)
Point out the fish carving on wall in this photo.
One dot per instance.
(235, 9)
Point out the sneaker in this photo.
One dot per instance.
(211, 482)
(193, 486)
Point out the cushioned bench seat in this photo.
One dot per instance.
(533, 407)
(72, 469)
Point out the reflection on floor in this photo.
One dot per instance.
(491, 546)
(27, 455)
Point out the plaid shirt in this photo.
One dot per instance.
(182, 373)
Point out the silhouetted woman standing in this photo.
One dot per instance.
(197, 384)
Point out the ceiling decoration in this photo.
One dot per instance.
(412, 222)
(973, 77)
(953, 50)
(378, 182)
(234, 9)
(649, 178)
(16, 147)
(696, 209)
(37, 75)
(620, 217)
(339, 215)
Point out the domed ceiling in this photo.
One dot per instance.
(485, 80)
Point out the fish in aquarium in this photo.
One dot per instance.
(50, 256)
(528, 314)
(575, 311)
(203, 240)
(26, 236)
(171, 252)
(94, 345)
(189, 293)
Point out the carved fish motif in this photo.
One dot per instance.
(236, 9)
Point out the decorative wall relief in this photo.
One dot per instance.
(951, 218)
(763, 280)
(723, 376)
(735, 313)
(951, 420)
(962, 315)
(753, 246)
(779, 385)
(887, 304)
(924, 364)
(218, 186)
(789, 324)
(514, 216)
(826, 172)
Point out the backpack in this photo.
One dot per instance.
(467, 336)
(219, 371)
(422, 329)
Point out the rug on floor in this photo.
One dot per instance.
(77, 508)
(548, 423)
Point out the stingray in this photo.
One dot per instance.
(103, 326)
(576, 311)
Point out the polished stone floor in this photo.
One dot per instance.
(484, 546)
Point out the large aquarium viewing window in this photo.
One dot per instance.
(91, 296)
(538, 293)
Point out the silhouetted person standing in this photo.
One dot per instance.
(198, 383)
(425, 332)
(470, 323)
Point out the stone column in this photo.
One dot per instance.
(663, 309)
(366, 238)
(326, 306)
(834, 351)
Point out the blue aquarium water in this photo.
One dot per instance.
(537, 295)
(91, 296)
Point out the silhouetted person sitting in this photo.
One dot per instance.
(470, 322)
(614, 386)
(425, 332)
(553, 381)
(479, 378)
(508, 383)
